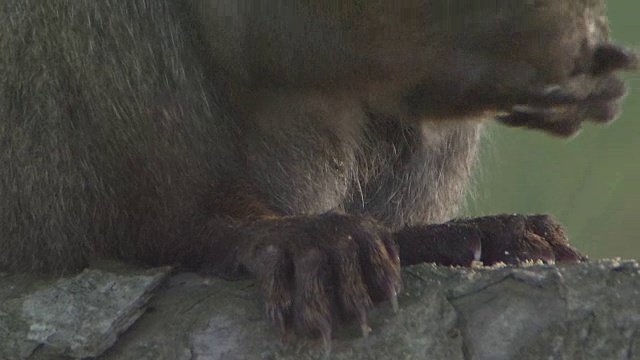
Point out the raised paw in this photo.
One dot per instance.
(316, 270)
(591, 95)
(509, 239)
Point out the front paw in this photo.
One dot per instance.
(513, 239)
(509, 239)
(561, 109)
(315, 270)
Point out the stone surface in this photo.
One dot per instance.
(75, 317)
(581, 311)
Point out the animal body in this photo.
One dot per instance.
(318, 145)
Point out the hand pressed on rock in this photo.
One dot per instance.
(315, 270)
(510, 239)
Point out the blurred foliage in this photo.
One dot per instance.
(590, 182)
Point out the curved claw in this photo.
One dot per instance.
(393, 298)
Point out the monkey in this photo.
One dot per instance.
(316, 145)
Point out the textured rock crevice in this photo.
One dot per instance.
(581, 311)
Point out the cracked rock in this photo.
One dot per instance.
(580, 311)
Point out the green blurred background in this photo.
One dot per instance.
(590, 182)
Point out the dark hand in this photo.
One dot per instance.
(313, 269)
(509, 239)
(561, 109)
